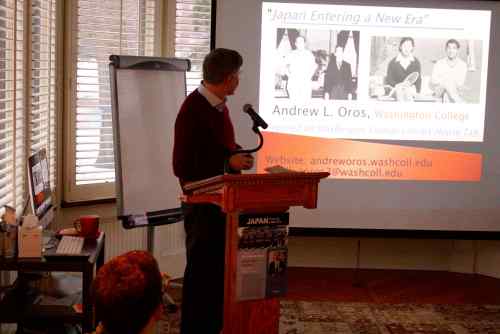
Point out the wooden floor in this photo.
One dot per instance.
(391, 286)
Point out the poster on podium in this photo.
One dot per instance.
(262, 256)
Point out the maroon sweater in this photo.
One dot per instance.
(204, 140)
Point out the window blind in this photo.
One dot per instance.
(43, 76)
(12, 104)
(192, 36)
(102, 28)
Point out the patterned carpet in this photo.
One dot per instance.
(346, 318)
(310, 317)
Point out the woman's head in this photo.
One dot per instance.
(406, 46)
(127, 292)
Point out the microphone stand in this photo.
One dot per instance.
(255, 129)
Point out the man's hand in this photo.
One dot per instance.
(241, 161)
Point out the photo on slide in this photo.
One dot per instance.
(408, 69)
(319, 64)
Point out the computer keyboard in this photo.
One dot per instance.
(70, 245)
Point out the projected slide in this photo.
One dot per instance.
(345, 88)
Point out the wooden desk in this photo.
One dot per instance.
(19, 308)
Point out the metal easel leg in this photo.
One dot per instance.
(168, 301)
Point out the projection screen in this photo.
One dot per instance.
(399, 101)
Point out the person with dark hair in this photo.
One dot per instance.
(127, 294)
(402, 65)
(338, 77)
(204, 146)
(448, 74)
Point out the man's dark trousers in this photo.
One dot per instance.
(203, 284)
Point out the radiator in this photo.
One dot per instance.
(120, 240)
(169, 248)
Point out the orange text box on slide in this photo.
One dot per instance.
(349, 159)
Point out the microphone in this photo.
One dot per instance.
(257, 120)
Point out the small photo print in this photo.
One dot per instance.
(262, 237)
(412, 69)
(39, 183)
(277, 261)
(254, 238)
(321, 64)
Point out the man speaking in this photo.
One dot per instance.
(204, 147)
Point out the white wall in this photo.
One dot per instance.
(481, 257)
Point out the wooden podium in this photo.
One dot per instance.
(252, 193)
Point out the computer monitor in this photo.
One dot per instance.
(39, 187)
